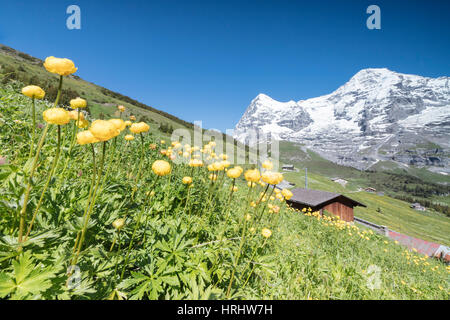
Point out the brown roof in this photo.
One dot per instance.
(314, 198)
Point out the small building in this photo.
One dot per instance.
(288, 167)
(342, 182)
(371, 190)
(417, 206)
(318, 200)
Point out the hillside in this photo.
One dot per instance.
(387, 209)
(134, 228)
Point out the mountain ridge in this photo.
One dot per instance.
(378, 114)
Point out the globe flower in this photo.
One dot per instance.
(132, 118)
(286, 193)
(121, 108)
(33, 92)
(103, 130)
(73, 114)
(139, 127)
(118, 123)
(78, 103)
(252, 175)
(128, 123)
(270, 177)
(61, 66)
(266, 233)
(152, 146)
(56, 116)
(118, 223)
(82, 123)
(234, 173)
(187, 180)
(161, 167)
(195, 163)
(85, 137)
(267, 165)
(217, 166)
(129, 137)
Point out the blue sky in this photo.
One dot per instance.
(207, 59)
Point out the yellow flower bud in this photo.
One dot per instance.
(78, 103)
(56, 116)
(121, 108)
(103, 130)
(33, 92)
(128, 123)
(129, 137)
(266, 233)
(234, 173)
(287, 194)
(161, 167)
(139, 127)
(252, 175)
(267, 165)
(73, 114)
(83, 123)
(118, 223)
(118, 123)
(187, 180)
(61, 66)
(85, 137)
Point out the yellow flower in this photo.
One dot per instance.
(195, 163)
(266, 233)
(286, 193)
(252, 175)
(270, 177)
(217, 166)
(56, 116)
(234, 173)
(128, 123)
(83, 123)
(103, 130)
(118, 123)
(118, 223)
(33, 92)
(234, 189)
(187, 180)
(267, 165)
(161, 167)
(78, 103)
(248, 217)
(129, 137)
(162, 142)
(85, 137)
(61, 66)
(73, 114)
(139, 127)
(213, 177)
(121, 108)
(132, 118)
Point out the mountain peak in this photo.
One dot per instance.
(376, 109)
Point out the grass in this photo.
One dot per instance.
(395, 214)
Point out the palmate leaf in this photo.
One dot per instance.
(27, 280)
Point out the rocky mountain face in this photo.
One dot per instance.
(378, 115)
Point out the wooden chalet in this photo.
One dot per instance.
(318, 200)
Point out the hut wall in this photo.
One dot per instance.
(339, 209)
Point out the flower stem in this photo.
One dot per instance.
(34, 128)
(91, 206)
(50, 176)
(136, 226)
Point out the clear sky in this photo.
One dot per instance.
(207, 59)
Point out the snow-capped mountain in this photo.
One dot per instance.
(377, 115)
